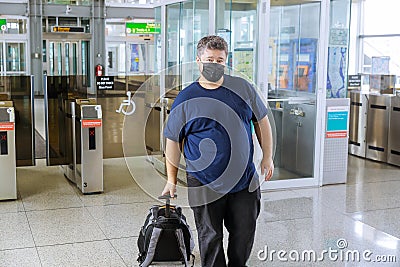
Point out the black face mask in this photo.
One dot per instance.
(213, 71)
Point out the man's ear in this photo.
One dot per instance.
(198, 59)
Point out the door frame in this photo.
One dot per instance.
(320, 93)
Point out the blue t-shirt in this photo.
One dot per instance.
(214, 125)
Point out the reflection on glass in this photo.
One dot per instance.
(294, 34)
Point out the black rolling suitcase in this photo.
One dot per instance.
(165, 236)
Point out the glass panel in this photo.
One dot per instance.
(116, 58)
(293, 47)
(380, 17)
(85, 63)
(173, 49)
(85, 22)
(338, 49)
(1, 59)
(18, 89)
(201, 18)
(384, 50)
(44, 52)
(51, 58)
(15, 57)
(16, 26)
(74, 59)
(61, 91)
(151, 59)
(59, 59)
(239, 28)
(115, 29)
(157, 41)
(69, 2)
(66, 47)
(66, 21)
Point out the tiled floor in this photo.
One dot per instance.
(53, 224)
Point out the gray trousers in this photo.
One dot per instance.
(238, 212)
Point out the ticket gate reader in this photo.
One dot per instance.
(89, 146)
(8, 181)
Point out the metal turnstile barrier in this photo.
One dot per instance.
(377, 127)
(89, 146)
(394, 132)
(8, 181)
(358, 123)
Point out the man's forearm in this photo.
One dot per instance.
(264, 136)
(172, 155)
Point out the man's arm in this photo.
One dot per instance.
(264, 136)
(172, 158)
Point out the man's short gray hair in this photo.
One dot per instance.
(212, 42)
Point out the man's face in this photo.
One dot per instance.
(211, 56)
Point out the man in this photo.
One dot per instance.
(210, 119)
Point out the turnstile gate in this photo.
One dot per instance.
(394, 132)
(89, 146)
(8, 181)
(358, 123)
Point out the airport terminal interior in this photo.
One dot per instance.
(86, 87)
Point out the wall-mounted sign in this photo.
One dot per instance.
(3, 24)
(105, 82)
(67, 29)
(354, 80)
(142, 28)
(337, 122)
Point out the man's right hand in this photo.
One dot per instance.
(170, 188)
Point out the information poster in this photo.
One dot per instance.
(337, 122)
(243, 61)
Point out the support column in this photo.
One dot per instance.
(36, 44)
(99, 30)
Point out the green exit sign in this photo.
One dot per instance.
(142, 28)
(3, 24)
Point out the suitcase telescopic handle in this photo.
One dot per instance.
(167, 203)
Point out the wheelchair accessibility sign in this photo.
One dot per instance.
(127, 106)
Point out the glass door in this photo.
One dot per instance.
(292, 91)
(15, 57)
(62, 58)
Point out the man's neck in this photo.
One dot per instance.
(210, 85)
